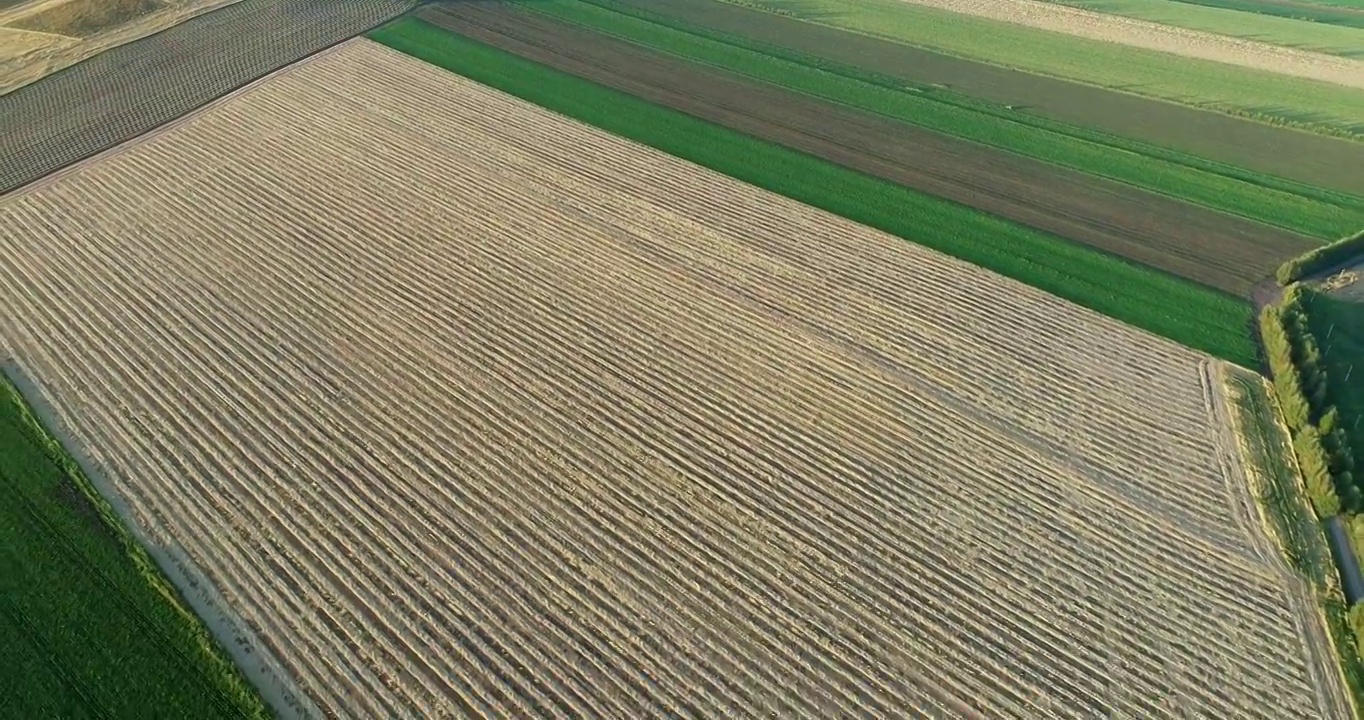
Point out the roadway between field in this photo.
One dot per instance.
(1218, 250)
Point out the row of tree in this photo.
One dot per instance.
(1303, 388)
(1321, 259)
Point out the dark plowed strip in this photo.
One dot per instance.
(1313, 159)
(131, 89)
(1221, 251)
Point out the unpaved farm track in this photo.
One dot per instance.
(1184, 42)
(131, 89)
(1227, 253)
(468, 408)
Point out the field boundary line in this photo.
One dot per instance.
(188, 117)
(241, 644)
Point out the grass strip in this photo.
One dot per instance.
(1256, 94)
(1248, 21)
(1182, 311)
(89, 626)
(1310, 211)
(1329, 13)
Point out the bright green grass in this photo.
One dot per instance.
(1317, 36)
(1269, 97)
(1199, 317)
(1337, 321)
(1311, 211)
(88, 627)
(1326, 13)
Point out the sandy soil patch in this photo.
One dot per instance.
(466, 409)
(17, 46)
(19, 70)
(1153, 36)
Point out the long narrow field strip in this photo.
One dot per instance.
(1312, 211)
(88, 627)
(1309, 159)
(1170, 38)
(1226, 253)
(1321, 29)
(1256, 93)
(1345, 13)
(126, 91)
(1202, 318)
(469, 408)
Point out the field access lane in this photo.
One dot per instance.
(1318, 160)
(1224, 252)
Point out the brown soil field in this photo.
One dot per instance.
(131, 89)
(1163, 38)
(1313, 159)
(99, 25)
(1227, 253)
(468, 409)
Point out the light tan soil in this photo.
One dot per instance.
(19, 69)
(467, 409)
(16, 46)
(1154, 36)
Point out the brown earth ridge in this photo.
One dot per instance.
(1218, 250)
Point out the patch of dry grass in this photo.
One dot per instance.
(85, 17)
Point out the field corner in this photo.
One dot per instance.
(222, 642)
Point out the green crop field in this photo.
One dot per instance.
(1201, 318)
(1274, 201)
(1330, 12)
(1337, 321)
(1239, 22)
(89, 627)
(1265, 96)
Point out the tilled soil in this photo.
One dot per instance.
(468, 410)
(1224, 252)
(126, 91)
(1317, 160)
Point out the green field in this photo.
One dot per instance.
(1184, 312)
(1330, 12)
(89, 626)
(1337, 321)
(1265, 96)
(1322, 37)
(1274, 201)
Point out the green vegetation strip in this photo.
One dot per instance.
(1311, 211)
(1261, 95)
(88, 626)
(1322, 259)
(1179, 310)
(1242, 22)
(1338, 13)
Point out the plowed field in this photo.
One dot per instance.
(131, 89)
(1312, 159)
(468, 408)
(1227, 253)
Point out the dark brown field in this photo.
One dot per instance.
(1313, 159)
(1224, 252)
